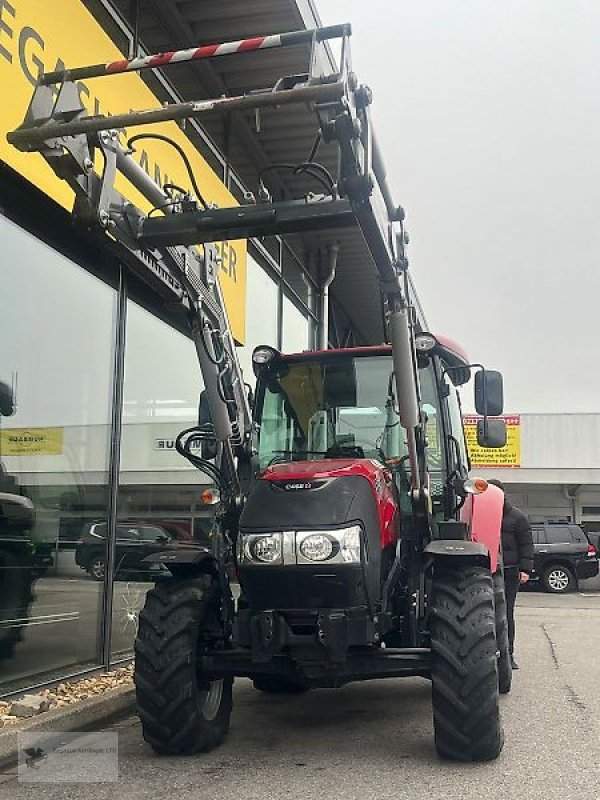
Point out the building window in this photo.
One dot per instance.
(57, 327)
(295, 328)
(159, 491)
(261, 315)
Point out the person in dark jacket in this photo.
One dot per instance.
(517, 557)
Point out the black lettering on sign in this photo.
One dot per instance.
(224, 257)
(144, 161)
(58, 67)
(232, 262)
(228, 258)
(27, 35)
(211, 262)
(157, 175)
(158, 178)
(84, 93)
(6, 10)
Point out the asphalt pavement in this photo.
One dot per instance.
(374, 740)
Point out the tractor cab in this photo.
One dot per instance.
(333, 405)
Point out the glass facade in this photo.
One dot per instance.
(57, 324)
(79, 470)
(96, 380)
(159, 494)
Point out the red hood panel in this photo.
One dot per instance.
(379, 477)
(323, 468)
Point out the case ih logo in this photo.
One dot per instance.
(298, 486)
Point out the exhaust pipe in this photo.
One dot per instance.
(332, 256)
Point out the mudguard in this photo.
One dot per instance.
(483, 516)
(458, 548)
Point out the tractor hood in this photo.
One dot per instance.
(323, 493)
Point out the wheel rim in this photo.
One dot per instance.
(97, 569)
(212, 700)
(558, 580)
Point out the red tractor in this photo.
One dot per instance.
(362, 548)
(339, 579)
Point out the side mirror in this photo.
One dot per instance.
(489, 394)
(491, 433)
(209, 448)
(7, 403)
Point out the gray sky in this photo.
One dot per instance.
(489, 120)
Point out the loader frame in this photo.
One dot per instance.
(160, 248)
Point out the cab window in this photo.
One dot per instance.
(456, 425)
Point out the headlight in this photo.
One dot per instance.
(336, 546)
(341, 546)
(263, 548)
(317, 547)
(350, 546)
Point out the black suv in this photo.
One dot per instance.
(135, 541)
(563, 555)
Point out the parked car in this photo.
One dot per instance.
(563, 555)
(135, 541)
(594, 537)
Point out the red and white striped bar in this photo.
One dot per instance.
(196, 53)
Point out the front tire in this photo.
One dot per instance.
(502, 643)
(181, 711)
(464, 667)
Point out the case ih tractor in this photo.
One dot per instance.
(362, 548)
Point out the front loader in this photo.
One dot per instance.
(361, 547)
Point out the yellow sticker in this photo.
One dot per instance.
(507, 456)
(31, 442)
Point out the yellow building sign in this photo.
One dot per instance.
(507, 456)
(31, 442)
(40, 36)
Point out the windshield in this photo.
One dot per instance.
(343, 407)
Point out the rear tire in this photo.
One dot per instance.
(271, 684)
(181, 712)
(464, 667)
(502, 643)
(558, 579)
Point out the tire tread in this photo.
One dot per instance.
(464, 666)
(175, 614)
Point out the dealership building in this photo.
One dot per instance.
(550, 467)
(104, 375)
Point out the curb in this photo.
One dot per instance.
(88, 714)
